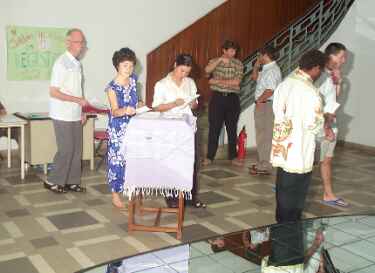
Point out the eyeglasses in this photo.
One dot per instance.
(78, 42)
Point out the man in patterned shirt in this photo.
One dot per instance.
(224, 108)
(267, 81)
(297, 107)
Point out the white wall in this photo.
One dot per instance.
(109, 25)
(357, 111)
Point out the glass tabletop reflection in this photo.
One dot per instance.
(329, 244)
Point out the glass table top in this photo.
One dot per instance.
(329, 244)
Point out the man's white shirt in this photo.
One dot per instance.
(268, 78)
(67, 77)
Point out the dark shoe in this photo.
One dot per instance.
(54, 187)
(195, 203)
(253, 170)
(75, 188)
(198, 204)
(171, 202)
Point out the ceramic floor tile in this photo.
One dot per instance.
(202, 247)
(17, 213)
(347, 261)
(18, 265)
(206, 265)
(95, 202)
(338, 237)
(356, 228)
(217, 174)
(370, 221)
(180, 267)
(370, 269)
(364, 249)
(43, 242)
(141, 263)
(212, 197)
(262, 203)
(102, 188)
(233, 262)
(174, 254)
(29, 179)
(72, 220)
(196, 232)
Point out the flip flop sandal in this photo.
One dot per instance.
(75, 188)
(339, 202)
(54, 188)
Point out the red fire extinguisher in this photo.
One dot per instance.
(241, 144)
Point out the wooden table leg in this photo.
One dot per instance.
(130, 214)
(180, 215)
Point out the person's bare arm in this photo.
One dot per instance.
(2, 110)
(212, 65)
(264, 97)
(168, 106)
(255, 73)
(115, 110)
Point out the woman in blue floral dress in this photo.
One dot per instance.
(122, 97)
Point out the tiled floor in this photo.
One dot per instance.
(44, 232)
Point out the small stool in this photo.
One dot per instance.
(102, 137)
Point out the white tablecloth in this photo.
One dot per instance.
(159, 153)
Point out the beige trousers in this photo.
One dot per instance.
(263, 116)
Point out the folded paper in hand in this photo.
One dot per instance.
(189, 100)
(331, 107)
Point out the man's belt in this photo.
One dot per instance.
(225, 94)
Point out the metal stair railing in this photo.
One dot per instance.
(310, 31)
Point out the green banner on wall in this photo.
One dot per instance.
(31, 51)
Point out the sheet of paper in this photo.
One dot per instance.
(331, 108)
(142, 110)
(189, 100)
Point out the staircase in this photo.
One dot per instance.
(310, 31)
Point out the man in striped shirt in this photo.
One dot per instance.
(224, 108)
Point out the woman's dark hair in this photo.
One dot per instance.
(311, 59)
(334, 48)
(184, 59)
(122, 55)
(230, 44)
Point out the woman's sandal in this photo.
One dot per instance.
(75, 188)
(55, 188)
